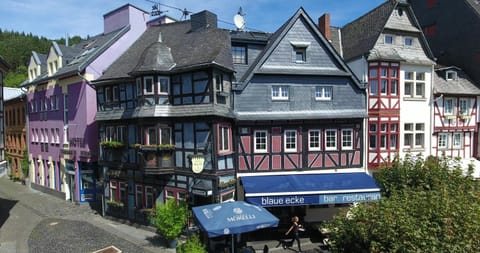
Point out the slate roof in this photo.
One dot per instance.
(359, 36)
(185, 49)
(10, 93)
(462, 85)
(475, 4)
(275, 40)
(77, 57)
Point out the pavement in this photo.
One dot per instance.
(84, 228)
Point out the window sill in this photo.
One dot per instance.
(413, 149)
(414, 99)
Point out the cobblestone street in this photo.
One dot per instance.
(31, 221)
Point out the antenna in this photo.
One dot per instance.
(156, 10)
(239, 20)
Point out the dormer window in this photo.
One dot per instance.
(408, 41)
(239, 54)
(300, 51)
(280, 93)
(451, 75)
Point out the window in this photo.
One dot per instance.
(150, 136)
(300, 54)
(457, 140)
(139, 196)
(239, 54)
(108, 94)
(116, 93)
(165, 135)
(414, 136)
(451, 75)
(148, 88)
(224, 140)
(260, 141)
(373, 87)
(330, 139)
(372, 136)
(388, 39)
(442, 141)
(139, 86)
(414, 84)
(314, 139)
(113, 191)
(383, 87)
(290, 140)
(279, 92)
(57, 135)
(219, 82)
(323, 93)
(347, 138)
(408, 41)
(163, 85)
(121, 135)
(464, 106)
(123, 192)
(448, 106)
(149, 197)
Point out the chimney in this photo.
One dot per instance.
(204, 19)
(324, 25)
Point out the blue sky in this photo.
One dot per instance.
(55, 18)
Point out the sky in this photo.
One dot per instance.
(54, 19)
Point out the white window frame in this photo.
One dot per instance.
(464, 106)
(280, 92)
(148, 138)
(224, 139)
(314, 138)
(300, 54)
(450, 75)
(347, 137)
(290, 140)
(108, 94)
(116, 93)
(449, 106)
(443, 140)
(411, 79)
(457, 141)
(161, 131)
(160, 85)
(328, 139)
(148, 81)
(323, 92)
(256, 140)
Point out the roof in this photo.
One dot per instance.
(77, 57)
(277, 37)
(10, 93)
(475, 4)
(462, 85)
(359, 36)
(183, 48)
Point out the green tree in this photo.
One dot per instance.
(426, 206)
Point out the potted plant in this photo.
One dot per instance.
(169, 220)
(111, 144)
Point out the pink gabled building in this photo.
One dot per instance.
(62, 133)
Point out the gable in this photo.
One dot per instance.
(300, 36)
(400, 20)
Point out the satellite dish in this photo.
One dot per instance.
(239, 21)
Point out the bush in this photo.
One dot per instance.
(192, 245)
(170, 218)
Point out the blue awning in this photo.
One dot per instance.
(310, 189)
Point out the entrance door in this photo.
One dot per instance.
(71, 187)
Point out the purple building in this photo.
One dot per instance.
(62, 134)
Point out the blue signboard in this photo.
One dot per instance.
(317, 199)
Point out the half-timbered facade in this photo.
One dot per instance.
(300, 119)
(455, 114)
(387, 50)
(165, 120)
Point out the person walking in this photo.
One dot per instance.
(295, 229)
